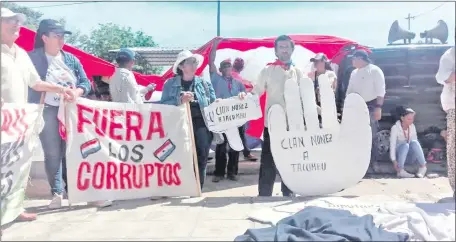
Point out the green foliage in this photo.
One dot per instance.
(100, 40)
(111, 36)
(33, 17)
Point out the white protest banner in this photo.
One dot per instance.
(21, 125)
(119, 151)
(226, 115)
(312, 160)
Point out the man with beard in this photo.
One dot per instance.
(272, 81)
(225, 86)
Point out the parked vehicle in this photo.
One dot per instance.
(410, 80)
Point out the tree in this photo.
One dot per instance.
(34, 18)
(111, 36)
(102, 39)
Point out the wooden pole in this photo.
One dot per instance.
(195, 157)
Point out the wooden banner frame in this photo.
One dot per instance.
(195, 157)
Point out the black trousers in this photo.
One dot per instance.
(268, 170)
(220, 158)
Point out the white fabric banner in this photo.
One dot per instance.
(232, 113)
(226, 115)
(119, 151)
(21, 125)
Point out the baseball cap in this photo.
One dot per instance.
(362, 54)
(51, 25)
(126, 53)
(319, 57)
(7, 13)
(225, 63)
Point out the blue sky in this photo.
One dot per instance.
(191, 24)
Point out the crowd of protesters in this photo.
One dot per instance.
(51, 76)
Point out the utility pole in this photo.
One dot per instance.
(218, 18)
(410, 17)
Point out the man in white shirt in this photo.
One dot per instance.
(18, 72)
(369, 82)
(446, 77)
(123, 86)
(272, 81)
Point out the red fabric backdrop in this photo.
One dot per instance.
(94, 66)
(330, 45)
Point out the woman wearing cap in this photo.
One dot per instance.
(404, 144)
(186, 87)
(60, 68)
(321, 66)
(446, 77)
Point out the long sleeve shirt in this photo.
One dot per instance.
(124, 89)
(398, 137)
(446, 67)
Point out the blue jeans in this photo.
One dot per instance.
(409, 151)
(54, 149)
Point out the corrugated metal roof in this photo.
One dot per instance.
(157, 56)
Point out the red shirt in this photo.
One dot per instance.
(247, 84)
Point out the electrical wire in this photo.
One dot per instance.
(424, 13)
(63, 4)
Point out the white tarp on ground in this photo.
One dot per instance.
(422, 221)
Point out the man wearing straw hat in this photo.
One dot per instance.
(18, 72)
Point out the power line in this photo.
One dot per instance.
(409, 17)
(64, 4)
(421, 14)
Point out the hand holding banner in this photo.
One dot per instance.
(122, 151)
(227, 115)
(21, 125)
(313, 160)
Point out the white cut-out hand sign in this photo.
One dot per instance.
(312, 160)
(226, 115)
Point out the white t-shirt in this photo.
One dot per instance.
(59, 74)
(368, 82)
(398, 136)
(17, 74)
(446, 67)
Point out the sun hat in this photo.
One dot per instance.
(319, 57)
(7, 13)
(186, 54)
